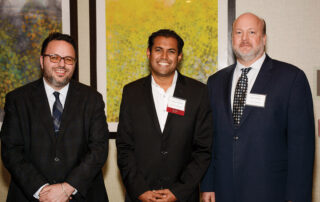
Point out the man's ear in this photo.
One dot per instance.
(180, 56)
(148, 53)
(41, 61)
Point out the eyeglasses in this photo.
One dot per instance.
(57, 58)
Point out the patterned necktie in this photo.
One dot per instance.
(240, 96)
(56, 112)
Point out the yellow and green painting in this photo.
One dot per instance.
(23, 26)
(129, 23)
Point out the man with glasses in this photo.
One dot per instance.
(54, 137)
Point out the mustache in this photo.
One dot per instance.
(63, 68)
(245, 44)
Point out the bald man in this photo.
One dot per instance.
(263, 147)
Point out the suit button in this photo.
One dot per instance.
(236, 138)
(56, 159)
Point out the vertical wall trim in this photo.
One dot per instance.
(74, 31)
(231, 18)
(93, 44)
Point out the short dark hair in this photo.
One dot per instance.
(58, 36)
(166, 33)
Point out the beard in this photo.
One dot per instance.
(251, 55)
(53, 82)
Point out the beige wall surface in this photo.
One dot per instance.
(293, 33)
(293, 36)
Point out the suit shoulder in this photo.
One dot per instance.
(283, 69)
(194, 83)
(83, 88)
(25, 89)
(222, 73)
(284, 66)
(136, 84)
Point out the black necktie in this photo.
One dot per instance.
(56, 112)
(240, 96)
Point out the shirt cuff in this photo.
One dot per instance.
(36, 195)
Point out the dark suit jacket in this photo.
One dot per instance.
(175, 159)
(269, 157)
(34, 155)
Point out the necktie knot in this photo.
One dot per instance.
(246, 70)
(56, 95)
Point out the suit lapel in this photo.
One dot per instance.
(42, 107)
(70, 107)
(178, 93)
(151, 109)
(227, 94)
(263, 78)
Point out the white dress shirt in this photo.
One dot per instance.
(51, 98)
(161, 97)
(252, 75)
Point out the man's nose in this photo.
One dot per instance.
(164, 55)
(61, 62)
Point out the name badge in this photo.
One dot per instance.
(256, 100)
(176, 106)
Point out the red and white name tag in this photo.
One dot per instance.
(176, 106)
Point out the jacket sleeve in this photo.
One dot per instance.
(301, 137)
(201, 154)
(92, 162)
(131, 176)
(13, 141)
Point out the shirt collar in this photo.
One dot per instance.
(49, 90)
(255, 66)
(174, 81)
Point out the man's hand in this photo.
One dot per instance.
(208, 197)
(56, 193)
(149, 196)
(166, 195)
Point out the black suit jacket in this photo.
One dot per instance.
(34, 155)
(269, 157)
(175, 159)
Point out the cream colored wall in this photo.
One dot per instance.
(293, 35)
(84, 41)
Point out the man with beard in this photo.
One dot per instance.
(263, 147)
(54, 137)
(164, 133)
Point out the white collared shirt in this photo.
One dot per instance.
(161, 97)
(252, 75)
(51, 98)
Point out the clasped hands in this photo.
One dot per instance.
(162, 195)
(56, 193)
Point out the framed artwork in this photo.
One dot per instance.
(122, 35)
(23, 26)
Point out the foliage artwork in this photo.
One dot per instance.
(129, 24)
(23, 27)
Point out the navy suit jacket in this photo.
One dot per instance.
(34, 155)
(269, 157)
(175, 159)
